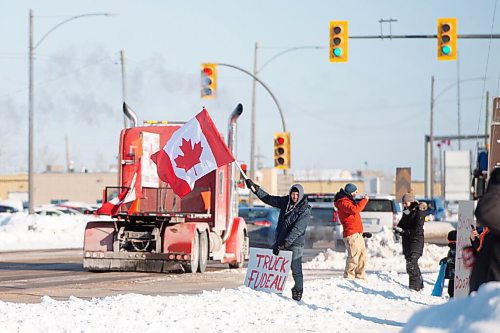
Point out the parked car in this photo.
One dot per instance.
(435, 209)
(55, 211)
(380, 211)
(261, 224)
(7, 209)
(324, 224)
(78, 206)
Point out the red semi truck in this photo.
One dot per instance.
(164, 232)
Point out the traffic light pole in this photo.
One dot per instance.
(464, 36)
(252, 125)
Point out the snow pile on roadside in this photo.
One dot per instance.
(384, 254)
(438, 229)
(332, 304)
(21, 231)
(479, 313)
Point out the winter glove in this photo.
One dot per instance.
(367, 235)
(251, 185)
(276, 249)
(398, 231)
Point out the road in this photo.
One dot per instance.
(27, 276)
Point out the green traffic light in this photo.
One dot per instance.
(337, 52)
(446, 50)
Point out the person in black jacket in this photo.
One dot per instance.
(294, 217)
(411, 227)
(487, 262)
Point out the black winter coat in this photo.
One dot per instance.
(487, 264)
(292, 221)
(413, 226)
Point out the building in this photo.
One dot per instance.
(88, 187)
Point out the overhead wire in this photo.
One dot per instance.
(485, 72)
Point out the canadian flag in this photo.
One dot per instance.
(131, 193)
(194, 150)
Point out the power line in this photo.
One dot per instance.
(486, 69)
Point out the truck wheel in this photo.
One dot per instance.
(202, 266)
(192, 265)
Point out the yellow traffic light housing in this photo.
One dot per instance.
(208, 80)
(282, 150)
(338, 41)
(447, 39)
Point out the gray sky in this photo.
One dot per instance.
(371, 111)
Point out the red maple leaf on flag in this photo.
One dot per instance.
(191, 155)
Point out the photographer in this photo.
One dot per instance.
(477, 237)
(487, 262)
(411, 228)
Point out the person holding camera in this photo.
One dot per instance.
(477, 235)
(411, 228)
(295, 214)
(349, 213)
(486, 266)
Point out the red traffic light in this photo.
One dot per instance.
(208, 71)
(280, 140)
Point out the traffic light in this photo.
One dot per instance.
(447, 39)
(282, 150)
(208, 80)
(338, 41)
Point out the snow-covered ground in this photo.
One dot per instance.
(383, 303)
(50, 232)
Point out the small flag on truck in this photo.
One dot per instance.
(131, 193)
(193, 151)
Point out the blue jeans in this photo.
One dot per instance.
(297, 267)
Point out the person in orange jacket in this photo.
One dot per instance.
(349, 214)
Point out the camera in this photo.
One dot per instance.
(479, 228)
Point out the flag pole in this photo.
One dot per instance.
(241, 170)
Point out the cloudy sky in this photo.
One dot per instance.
(371, 112)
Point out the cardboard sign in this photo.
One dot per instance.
(150, 145)
(266, 271)
(465, 220)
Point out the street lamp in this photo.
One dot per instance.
(32, 48)
(429, 156)
(252, 126)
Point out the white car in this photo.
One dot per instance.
(55, 211)
(380, 211)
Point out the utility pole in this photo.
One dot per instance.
(124, 88)
(252, 126)
(486, 121)
(458, 99)
(30, 120)
(431, 139)
(69, 162)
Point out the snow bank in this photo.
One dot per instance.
(478, 313)
(384, 254)
(21, 231)
(438, 229)
(383, 304)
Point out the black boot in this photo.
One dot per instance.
(296, 294)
